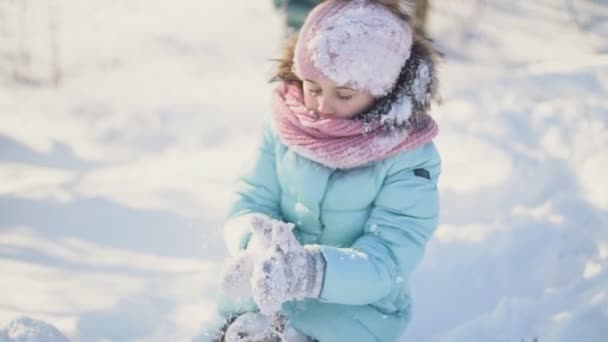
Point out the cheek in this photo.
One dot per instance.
(309, 101)
(345, 110)
(364, 104)
(354, 107)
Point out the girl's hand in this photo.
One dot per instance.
(287, 271)
(236, 272)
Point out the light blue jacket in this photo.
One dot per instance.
(372, 223)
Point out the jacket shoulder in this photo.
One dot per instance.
(425, 158)
(269, 129)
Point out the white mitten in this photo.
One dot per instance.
(236, 272)
(288, 271)
(250, 327)
(255, 327)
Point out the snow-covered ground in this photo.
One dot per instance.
(114, 184)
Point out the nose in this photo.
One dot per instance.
(325, 108)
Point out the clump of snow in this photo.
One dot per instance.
(250, 327)
(421, 82)
(373, 228)
(399, 113)
(301, 209)
(26, 329)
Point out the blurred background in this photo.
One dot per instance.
(124, 124)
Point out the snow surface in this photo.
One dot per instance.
(115, 183)
(25, 329)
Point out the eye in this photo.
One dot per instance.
(345, 98)
(315, 92)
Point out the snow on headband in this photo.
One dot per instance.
(358, 43)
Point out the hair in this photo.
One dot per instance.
(283, 71)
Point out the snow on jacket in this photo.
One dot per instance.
(372, 223)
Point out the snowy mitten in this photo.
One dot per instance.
(250, 327)
(288, 271)
(236, 273)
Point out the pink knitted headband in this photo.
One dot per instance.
(356, 43)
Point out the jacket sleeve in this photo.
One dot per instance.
(257, 193)
(403, 218)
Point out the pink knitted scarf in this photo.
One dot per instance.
(338, 143)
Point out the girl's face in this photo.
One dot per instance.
(331, 101)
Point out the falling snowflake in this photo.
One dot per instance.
(374, 229)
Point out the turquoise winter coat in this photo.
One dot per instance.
(297, 10)
(372, 223)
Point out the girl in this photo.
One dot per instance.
(335, 213)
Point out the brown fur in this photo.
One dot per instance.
(284, 67)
